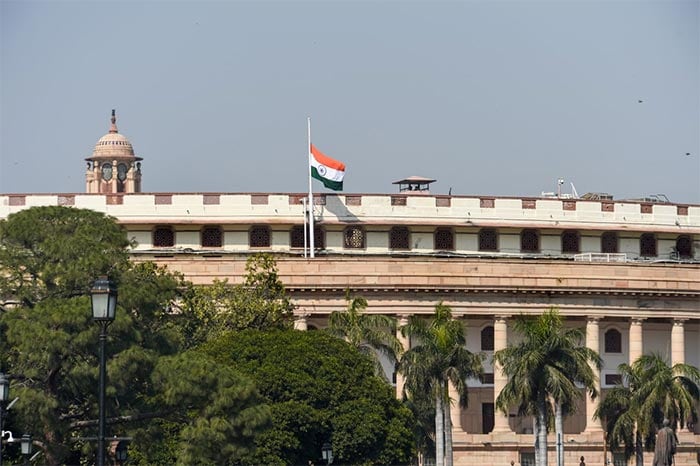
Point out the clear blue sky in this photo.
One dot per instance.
(493, 98)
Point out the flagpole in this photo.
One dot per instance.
(311, 195)
(303, 201)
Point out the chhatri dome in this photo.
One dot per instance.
(113, 167)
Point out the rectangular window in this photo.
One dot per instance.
(613, 379)
(487, 417)
(527, 458)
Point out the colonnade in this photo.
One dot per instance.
(500, 327)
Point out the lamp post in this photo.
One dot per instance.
(4, 396)
(104, 305)
(327, 453)
(26, 446)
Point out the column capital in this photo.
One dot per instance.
(500, 318)
(637, 320)
(593, 319)
(679, 321)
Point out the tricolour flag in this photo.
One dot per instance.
(327, 170)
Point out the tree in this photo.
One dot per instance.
(48, 345)
(223, 410)
(651, 391)
(438, 359)
(366, 332)
(319, 389)
(57, 252)
(259, 303)
(545, 367)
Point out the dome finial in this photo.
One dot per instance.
(113, 128)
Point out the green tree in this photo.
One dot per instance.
(545, 367)
(366, 332)
(57, 252)
(48, 342)
(223, 410)
(319, 389)
(260, 302)
(438, 359)
(651, 391)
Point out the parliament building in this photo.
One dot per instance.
(626, 271)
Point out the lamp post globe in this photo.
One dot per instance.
(103, 296)
(26, 444)
(327, 452)
(4, 388)
(4, 396)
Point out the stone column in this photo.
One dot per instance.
(593, 342)
(406, 343)
(500, 334)
(678, 342)
(636, 339)
(455, 408)
(300, 322)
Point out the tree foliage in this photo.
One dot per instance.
(57, 252)
(439, 358)
(547, 364)
(368, 333)
(651, 391)
(50, 256)
(319, 389)
(260, 302)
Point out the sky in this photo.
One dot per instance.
(496, 98)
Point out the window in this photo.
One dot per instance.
(444, 239)
(570, 242)
(647, 245)
(399, 238)
(212, 237)
(529, 241)
(613, 341)
(527, 458)
(259, 236)
(163, 237)
(608, 242)
(684, 247)
(354, 238)
(613, 379)
(487, 417)
(296, 236)
(298, 232)
(487, 339)
(487, 378)
(488, 240)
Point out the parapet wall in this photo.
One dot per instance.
(270, 208)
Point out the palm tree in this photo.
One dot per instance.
(369, 333)
(545, 367)
(438, 359)
(651, 391)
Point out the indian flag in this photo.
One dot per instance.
(327, 170)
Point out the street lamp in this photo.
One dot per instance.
(4, 396)
(26, 446)
(104, 306)
(327, 453)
